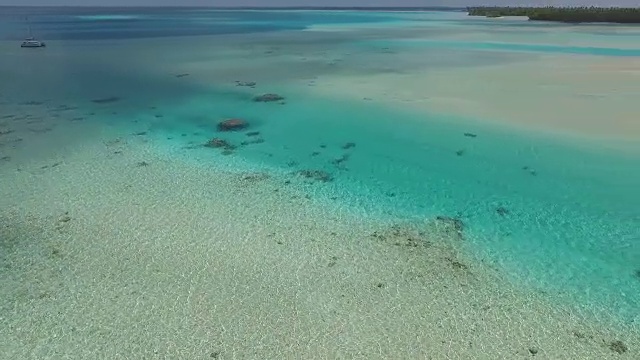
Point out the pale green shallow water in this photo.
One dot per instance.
(571, 225)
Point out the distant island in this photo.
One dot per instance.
(563, 14)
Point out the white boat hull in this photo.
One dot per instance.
(33, 44)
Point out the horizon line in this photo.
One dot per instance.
(244, 7)
(409, 8)
(311, 7)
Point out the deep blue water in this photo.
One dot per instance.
(129, 23)
(117, 23)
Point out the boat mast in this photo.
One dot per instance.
(28, 26)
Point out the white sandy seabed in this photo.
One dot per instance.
(586, 97)
(105, 259)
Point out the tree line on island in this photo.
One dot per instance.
(562, 14)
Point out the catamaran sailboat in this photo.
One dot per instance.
(31, 42)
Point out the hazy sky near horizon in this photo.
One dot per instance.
(632, 3)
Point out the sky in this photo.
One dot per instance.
(631, 3)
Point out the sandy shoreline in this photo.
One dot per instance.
(106, 257)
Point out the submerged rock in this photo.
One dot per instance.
(106, 100)
(67, 107)
(268, 98)
(531, 171)
(219, 143)
(618, 346)
(32, 103)
(502, 211)
(349, 145)
(452, 223)
(339, 162)
(457, 265)
(404, 236)
(253, 177)
(253, 141)
(318, 175)
(232, 125)
(250, 84)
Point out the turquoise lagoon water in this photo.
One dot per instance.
(572, 214)
(505, 46)
(571, 222)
